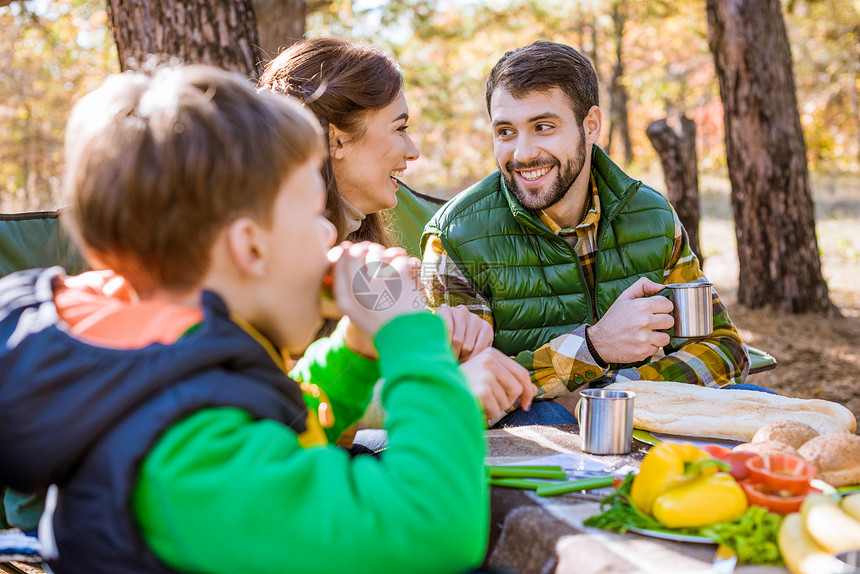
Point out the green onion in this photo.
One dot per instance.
(516, 483)
(574, 485)
(526, 466)
(526, 472)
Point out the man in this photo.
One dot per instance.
(561, 251)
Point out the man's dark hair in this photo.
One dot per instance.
(541, 66)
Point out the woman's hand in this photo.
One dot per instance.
(497, 381)
(469, 333)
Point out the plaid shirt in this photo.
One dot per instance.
(564, 363)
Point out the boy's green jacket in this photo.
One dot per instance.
(200, 455)
(221, 492)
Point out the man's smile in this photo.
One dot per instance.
(533, 175)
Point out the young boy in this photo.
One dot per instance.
(152, 392)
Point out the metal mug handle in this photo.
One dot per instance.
(694, 315)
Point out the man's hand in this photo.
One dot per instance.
(497, 381)
(469, 333)
(629, 331)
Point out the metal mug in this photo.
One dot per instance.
(847, 563)
(606, 421)
(694, 309)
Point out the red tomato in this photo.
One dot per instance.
(786, 473)
(739, 461)
(716, 450)
(760, 495)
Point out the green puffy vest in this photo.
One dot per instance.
(531, 277)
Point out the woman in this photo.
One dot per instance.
(355, 90)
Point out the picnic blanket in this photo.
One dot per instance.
(529, 533)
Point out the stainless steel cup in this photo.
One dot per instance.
(606, 421)
(694, 310)
(847, 563)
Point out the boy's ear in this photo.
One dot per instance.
(591, 125)
(336, 141)
(247, 246)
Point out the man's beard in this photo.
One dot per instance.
(567, 174)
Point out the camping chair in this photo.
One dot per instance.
(408, 218)
(36, 239)
(760, 361)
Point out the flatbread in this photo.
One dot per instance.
(691, 410)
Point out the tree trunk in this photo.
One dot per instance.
(617, 91)
(281, 23)
(677, 151)
(766, 153)
(221, 33)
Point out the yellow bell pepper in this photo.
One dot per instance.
(702, 501)
(661, 469)
(679, 485)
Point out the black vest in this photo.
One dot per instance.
(88, 416)
(93, 524)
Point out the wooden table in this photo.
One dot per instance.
(531, 534)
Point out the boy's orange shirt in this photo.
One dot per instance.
(100, 307)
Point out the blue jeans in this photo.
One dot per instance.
(541, 413)
(749, 387)
(552, 413)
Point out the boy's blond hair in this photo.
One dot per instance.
(159, 162)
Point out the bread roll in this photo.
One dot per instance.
(793, 433)
(767, 448)
(836, 456)
(682, 409)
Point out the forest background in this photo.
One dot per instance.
(651, 55)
